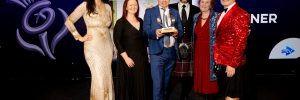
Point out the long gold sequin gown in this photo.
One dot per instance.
(99, 51)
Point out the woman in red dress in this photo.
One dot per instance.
(205, 81)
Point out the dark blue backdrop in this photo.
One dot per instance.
(19, 62)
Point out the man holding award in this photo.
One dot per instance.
(163, 28)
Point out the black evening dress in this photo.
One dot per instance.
(132, 83)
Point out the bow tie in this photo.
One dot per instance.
(225, 10)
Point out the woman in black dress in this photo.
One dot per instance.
(132, 61)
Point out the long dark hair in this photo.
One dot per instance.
(90, 6)
(125, 11)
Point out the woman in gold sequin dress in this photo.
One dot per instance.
(98, 46)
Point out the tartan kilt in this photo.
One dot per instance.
(184, 67)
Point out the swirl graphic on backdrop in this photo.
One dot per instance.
(45, 14)
(286, 49)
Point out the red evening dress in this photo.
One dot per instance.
(202, 83)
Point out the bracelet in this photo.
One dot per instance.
(75, 35)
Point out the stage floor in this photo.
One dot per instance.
(262, 87)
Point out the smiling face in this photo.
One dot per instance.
(163, 3)
(227, 3)
(132, 7)
(205, 5)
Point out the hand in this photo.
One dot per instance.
(175, 34)
(85, 38)
(159, 33)
(129, 62)
(230, 71)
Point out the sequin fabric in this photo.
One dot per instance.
(231, 38)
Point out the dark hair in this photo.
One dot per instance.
(90, 6)
(189, 1)
(125, 11)
(212, 3)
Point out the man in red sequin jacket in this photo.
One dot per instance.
(229, 49)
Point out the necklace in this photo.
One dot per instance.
(203, 18)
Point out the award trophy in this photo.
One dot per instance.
(166, 28)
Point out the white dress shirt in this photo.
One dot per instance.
(167, 13)
(224, 13)
(187, 9)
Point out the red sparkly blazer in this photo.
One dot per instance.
(231, 38)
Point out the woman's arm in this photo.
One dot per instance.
(73, 17)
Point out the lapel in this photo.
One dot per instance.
(173, 13)
(191, 13)
(226, 18)
(156, 12)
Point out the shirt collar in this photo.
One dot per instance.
(186, 4)
(230, 6)
(167, 8)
